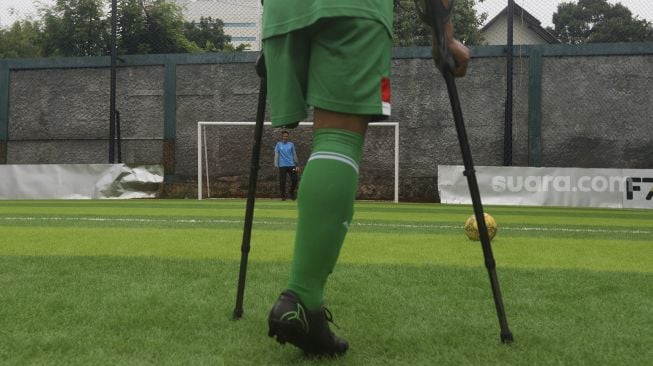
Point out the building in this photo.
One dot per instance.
(242, 18)
(526, 29)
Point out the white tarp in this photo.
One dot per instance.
(79, 181)
(578, 187)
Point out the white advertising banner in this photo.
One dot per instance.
(577, 187)
(79, 181)
(639, 188)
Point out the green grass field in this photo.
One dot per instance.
(153, 282)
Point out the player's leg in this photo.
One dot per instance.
(282, 182)
(293, 182)
(326, 201)
(347, 90)
(287, 59)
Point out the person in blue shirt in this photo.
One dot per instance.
(285, 158)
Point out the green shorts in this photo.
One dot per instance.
(337, 64)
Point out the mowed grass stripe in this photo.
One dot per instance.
(137, 211)
(127, 242)
(361, 247)
(599, 255)
(140, 203)
(415, 294)
(640, 222)
(405, 207)
(272, 223)
(272, 207)
(364, 211)
(134, 311)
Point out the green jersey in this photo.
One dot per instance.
(284, 16)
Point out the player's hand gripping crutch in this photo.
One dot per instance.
(251, 190)
(436, 14)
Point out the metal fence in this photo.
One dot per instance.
(533, 21)
(204, 26)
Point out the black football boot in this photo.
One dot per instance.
(291, 322)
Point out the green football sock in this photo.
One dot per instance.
(325, 208)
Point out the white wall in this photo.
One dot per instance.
(495, 34)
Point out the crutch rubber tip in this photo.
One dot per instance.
(238, 313)
(506, 338)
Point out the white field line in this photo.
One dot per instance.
(512, 228)
(137, 220)
(258, 222)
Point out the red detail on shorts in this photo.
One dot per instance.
(385, 90)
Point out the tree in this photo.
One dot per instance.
(159, 27)
(165, 24)
(207, 34)
(591, 21)
(467, 23)
(23, 39)
(83, 28)
(409, 30)
(132, 28)
(153, 28)
(76, 28)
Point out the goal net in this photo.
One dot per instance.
(224, 150)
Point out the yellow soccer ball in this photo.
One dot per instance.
(471, 227)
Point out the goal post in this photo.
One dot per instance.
(202, 154)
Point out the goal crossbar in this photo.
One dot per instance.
(202, 155)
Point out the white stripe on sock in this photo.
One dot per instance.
(334, 156)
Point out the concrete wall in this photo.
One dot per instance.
(61, 115)
(598, 112)
(593, 111)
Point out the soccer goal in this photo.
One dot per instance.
(202, 151)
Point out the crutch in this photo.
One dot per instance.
(434, 13)
(251, 190)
